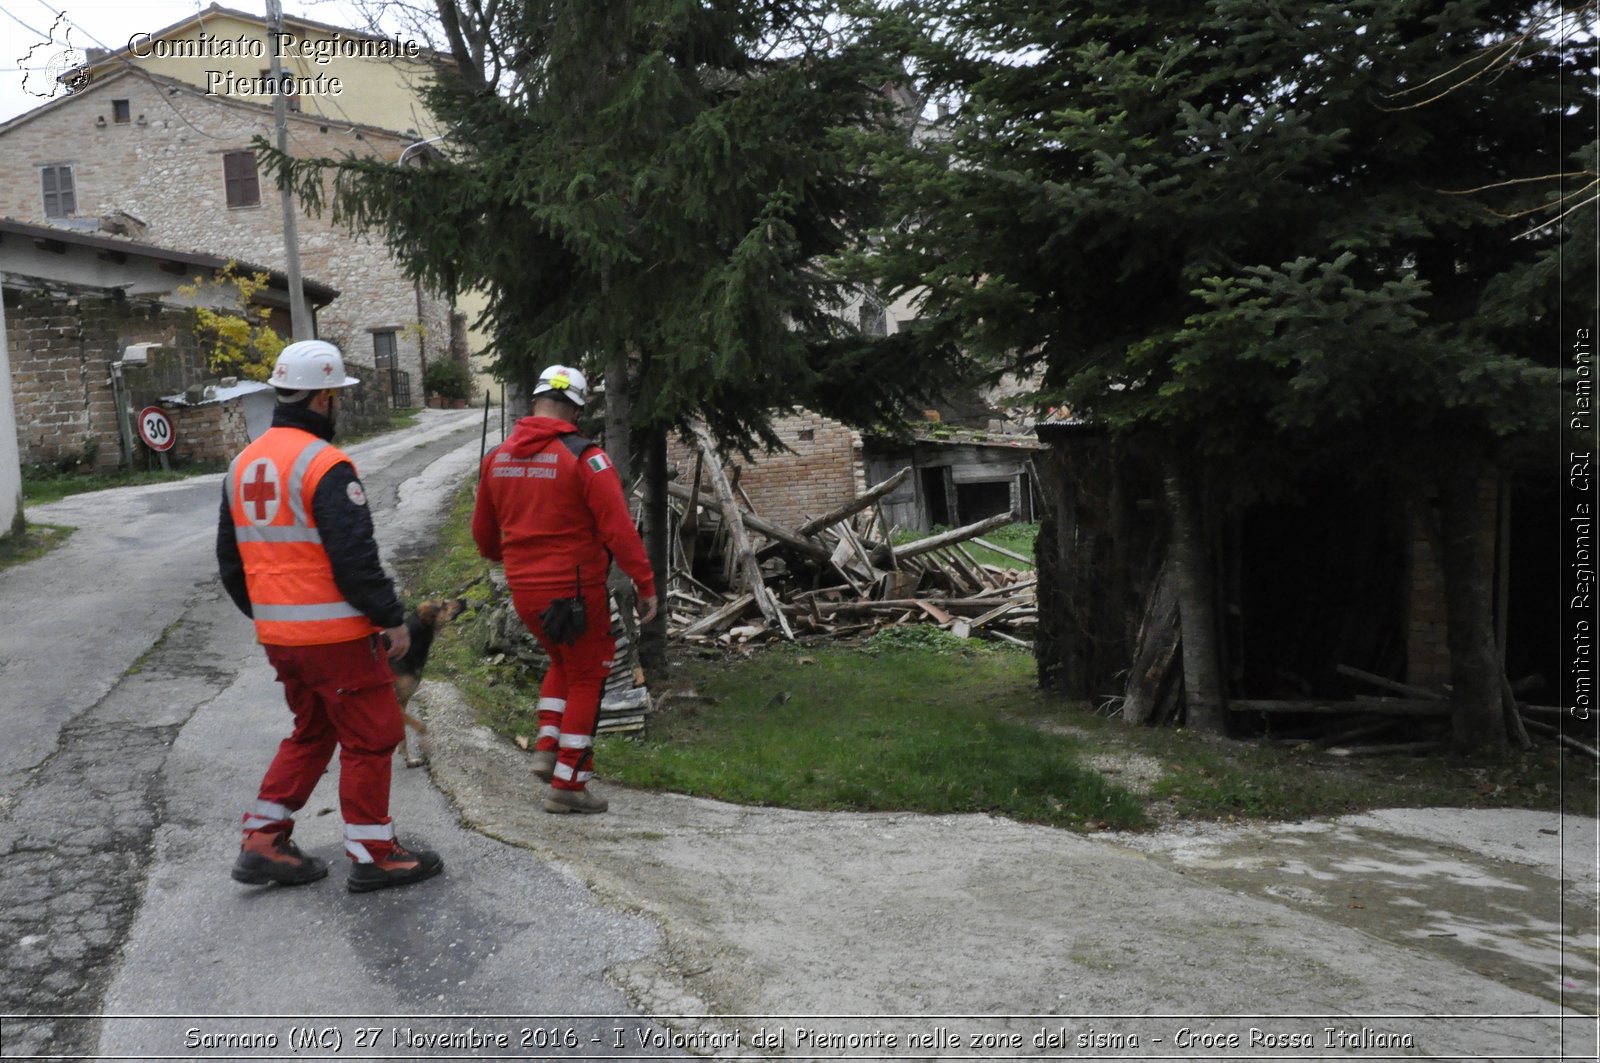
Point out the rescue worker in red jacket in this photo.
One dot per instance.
(296, 552)
(550, 506)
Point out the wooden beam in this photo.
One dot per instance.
(755, 583)
(956, 535)
(872, 494)
(775, 532)
(1376, 706)
(712, 621)
(1002, 551)
(1388, 684)
(1564, 739)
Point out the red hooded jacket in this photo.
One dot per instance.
(549, 515)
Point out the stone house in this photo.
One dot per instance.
(75, 303)
(163, 161)
(342, 77)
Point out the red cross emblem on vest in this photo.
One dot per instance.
(258, 491)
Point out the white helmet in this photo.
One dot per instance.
(563, 382)
(310, 365)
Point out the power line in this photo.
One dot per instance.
(24, 25)
(136, 68)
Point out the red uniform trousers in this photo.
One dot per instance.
(341, 695)
(569, 697)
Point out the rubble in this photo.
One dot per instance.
(838, 574)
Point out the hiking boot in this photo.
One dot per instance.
(544, 764)
(397, 867)
(269, 856)
(573, 801)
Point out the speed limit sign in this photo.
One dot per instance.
(155, 428)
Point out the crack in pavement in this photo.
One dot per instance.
(81, 839)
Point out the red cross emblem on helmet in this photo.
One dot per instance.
(327, 368)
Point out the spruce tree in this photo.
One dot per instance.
(659, 179)
(1262, 242)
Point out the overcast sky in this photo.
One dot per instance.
(25, 24)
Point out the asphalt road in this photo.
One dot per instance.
(135, 731)
(137, 717)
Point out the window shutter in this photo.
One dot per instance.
(59, 198)
(240, 179)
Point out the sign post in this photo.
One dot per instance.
(155, 428)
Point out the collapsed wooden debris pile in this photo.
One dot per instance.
(838, 574)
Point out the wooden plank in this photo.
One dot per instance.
(1020, 585)
(948, 604)
(848, 535)
(756, 523)
(919, 547)
(888, 535)
(993, 614)
(1387, 684)
(1002, 551)
(711, 622)
(1380, 706)
(961, 579)
(969, 567)
(754, 581)
(934, 611)
(1539, 727)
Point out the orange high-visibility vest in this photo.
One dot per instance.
(292, 592)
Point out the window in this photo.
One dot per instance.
(383, 350)
(239, 175)
(60, 201)
(119, 111)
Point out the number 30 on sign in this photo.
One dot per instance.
(155, 428)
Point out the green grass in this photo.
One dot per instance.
(917, 719)
(502, 694)
(1017, 538)
(36, 540)
(42, 485)
(868, 730)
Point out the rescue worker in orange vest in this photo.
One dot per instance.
(550, 506)
(296, 552)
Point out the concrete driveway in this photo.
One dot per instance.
(1440, 934)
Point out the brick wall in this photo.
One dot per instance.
(825, 470)
(213, 432)
(168, 173)
(62, 344)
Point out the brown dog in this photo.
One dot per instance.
(422, 622)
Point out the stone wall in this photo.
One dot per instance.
(165, 168)
(62, 345)
(825, 469)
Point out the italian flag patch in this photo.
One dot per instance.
(597, 462)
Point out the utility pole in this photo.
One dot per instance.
(299, 316)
